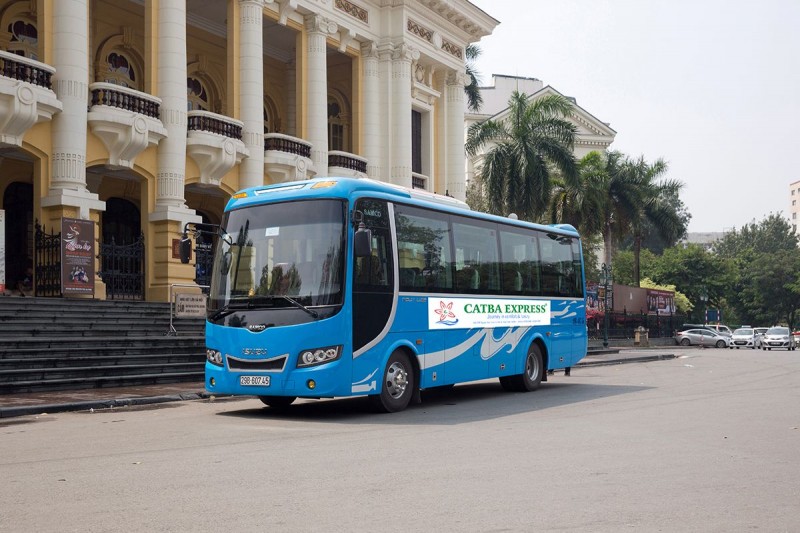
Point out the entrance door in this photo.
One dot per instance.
(122, 251)
(18, 205)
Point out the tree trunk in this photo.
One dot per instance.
(637, 249)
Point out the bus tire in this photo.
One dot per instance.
(397, 386)
(277, 402)
(531, 376)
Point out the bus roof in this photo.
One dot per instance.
(337, 187)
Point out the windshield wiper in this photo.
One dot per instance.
(230, 308)
(255, 302)
(298, 304)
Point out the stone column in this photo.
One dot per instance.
(370, 114)
(172, 75)
(318, 29)
(251, 90)
(454, 87)
(401, 115)
(170, 214)
(71, 85)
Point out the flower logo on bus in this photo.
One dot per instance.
(446, 315)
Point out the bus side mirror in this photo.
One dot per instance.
(362, 241)
(185, 248)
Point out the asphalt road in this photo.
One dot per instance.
(705, 442)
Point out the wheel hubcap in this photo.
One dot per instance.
(396, 380)
(532, 367)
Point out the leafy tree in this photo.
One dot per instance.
(766, 263)
(472, 89)
(651, 239)
(695, 272)
(767, 236)
(521, 151)
(623, 266)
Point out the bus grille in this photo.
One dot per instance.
(263, 365)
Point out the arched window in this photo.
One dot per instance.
(338, 123)
(24, 38)
(272, 123)
(198, 95)
(119, 70)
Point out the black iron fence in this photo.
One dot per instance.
(47, 262)
(122, 269)
(624, 325)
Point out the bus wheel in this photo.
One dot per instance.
(277, 402)
(531, 377)
(398, 384)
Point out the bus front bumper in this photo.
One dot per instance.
(323, 381)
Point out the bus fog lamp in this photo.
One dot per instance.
(311, 384)
(318, 356)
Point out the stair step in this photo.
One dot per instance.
(65, 344)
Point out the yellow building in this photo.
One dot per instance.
(145, 115)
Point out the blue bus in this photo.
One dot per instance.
(343, 287)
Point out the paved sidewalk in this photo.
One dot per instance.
(35, 403)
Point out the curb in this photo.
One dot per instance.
(22, 410)
(41, 409)
(639, 359)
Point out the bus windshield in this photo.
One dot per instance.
(285, 254)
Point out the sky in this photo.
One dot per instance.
(710, 86)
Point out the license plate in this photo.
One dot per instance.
(258, 381)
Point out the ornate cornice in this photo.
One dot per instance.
(353, 10)
(419, 30)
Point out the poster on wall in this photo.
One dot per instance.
(660, 302)
(2, 252)
(77, 256)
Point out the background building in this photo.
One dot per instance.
(143, 115)
(592, 135)
(794, 205)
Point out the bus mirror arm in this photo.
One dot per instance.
(185, 244)
(362, 242)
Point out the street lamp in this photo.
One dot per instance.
(605, 271)
(704, 299)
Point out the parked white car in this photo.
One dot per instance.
(744, 338)
(778, 337)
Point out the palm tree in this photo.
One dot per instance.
(523, 151)
(472, 90)
(603, 199)
(657, 211)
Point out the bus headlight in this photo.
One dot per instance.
(318, 356)
(214, 357)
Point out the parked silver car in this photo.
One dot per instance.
(702, 337)
(778, 337)
(744, 338)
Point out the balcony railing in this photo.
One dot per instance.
(214, 123)
(23, 69)
(418, 181)
(347, 160)
(284, 143)
(124, 98)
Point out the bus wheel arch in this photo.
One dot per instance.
(399, 383)
(534, 367)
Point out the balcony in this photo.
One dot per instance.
(215, 143)
(419, 181)
(26, 96)
(346, 165)
(125, 120)
(287, 158)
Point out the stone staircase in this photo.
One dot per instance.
(49, 344)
